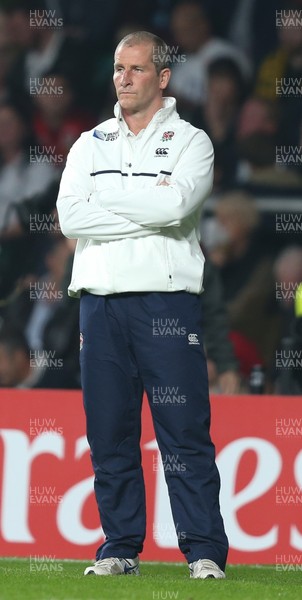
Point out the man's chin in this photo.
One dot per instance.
(126, 98)
(127, 102)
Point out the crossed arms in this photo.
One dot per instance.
(112, 214)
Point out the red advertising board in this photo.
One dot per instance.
(47, 504)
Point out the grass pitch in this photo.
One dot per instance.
(25, 579)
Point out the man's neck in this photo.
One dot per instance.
(140, 120)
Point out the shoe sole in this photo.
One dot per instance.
(110, 574)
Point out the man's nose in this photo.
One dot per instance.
(126, 78)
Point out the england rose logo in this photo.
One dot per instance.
(167, 136)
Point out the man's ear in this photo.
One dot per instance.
(164, 78)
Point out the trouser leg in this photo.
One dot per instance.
(168, 344)
(112, 393)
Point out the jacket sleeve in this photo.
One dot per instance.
(162, 206)
(79, 214)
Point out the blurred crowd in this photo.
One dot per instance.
(237, 74)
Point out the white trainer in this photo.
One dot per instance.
(205, 569)
(114, 566)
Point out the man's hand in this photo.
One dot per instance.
(229, 382)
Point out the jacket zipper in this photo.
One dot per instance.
(169, 270)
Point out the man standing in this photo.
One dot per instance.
(132, 192)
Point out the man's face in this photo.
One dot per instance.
(138, 86)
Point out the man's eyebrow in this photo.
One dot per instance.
(120, 64)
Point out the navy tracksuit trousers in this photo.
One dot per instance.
(151, 341)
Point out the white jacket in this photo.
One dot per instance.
(134, 234)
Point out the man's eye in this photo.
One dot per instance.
(138, 69)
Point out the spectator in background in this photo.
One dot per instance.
(18, 367)
(287, 270)
(46, 49)
(94, 20)
(21, 367)
(279, 75)
(191, 30)
(246, 271)
(218, 117)
(40, 294)
(17, 24)
(297, 335)
(285, 59)
(4, 34)
(14, 359)
(57, 121)
(249, 24)
(45, 354)
(221, 362)
(19, 178)
(46, 294)
(6, 57)
(259, 170)
(62, 330)
(23, 241)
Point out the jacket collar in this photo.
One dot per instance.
(168, 109)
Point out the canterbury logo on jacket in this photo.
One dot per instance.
(134, 234)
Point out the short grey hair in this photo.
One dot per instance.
(160, 53)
